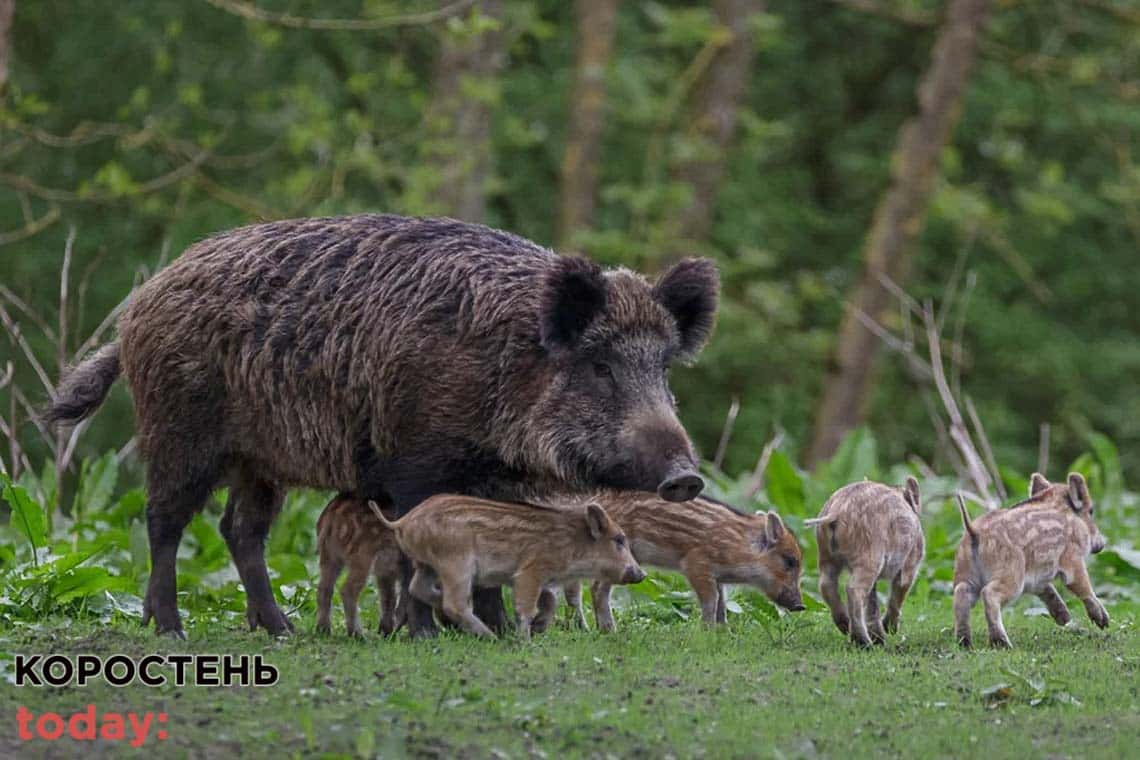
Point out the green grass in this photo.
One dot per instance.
(791, 688)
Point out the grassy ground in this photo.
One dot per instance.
(787, 689)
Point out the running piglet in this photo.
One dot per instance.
(1009, 552)
(872, 530)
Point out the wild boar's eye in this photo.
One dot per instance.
(603, 371)
(790, 562)
(619, 541)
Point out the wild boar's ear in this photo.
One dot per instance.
(912, 496)
(573, 295)
(689, 291)
(1078, 492)
(597, 521)
(1037, 484)
(773, 529)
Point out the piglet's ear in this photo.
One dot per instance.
(773, 529)
(1037, 484)
(910, 493)
(573, 296)
(1078, 492)
(689, 291)
(597, 521)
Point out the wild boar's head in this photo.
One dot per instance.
(780, 562)
(610, 553)
(1080, 501)
(608, 416)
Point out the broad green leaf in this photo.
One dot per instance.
(27, 516)
(784, 486)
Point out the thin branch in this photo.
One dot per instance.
(987, 450)
(34, 417)
(32, 228)
(63, 461)
(108, 320)
(924, 469)
(27, 311)
(762, 465)
(251, 12)
(1043, 448)
(127, 449)
(726, 432)
(13, 329)
(906, 348)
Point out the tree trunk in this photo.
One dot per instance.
(713, 123)
(596, 25)
(898, 221)
(7, 9)
(458, 141)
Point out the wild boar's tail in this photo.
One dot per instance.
(84, 387)
(969, 526)
(389, 524)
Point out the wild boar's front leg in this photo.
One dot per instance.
(1058, 610)
(721, 605)
(603, 615)
(1081, 587)
(573, 593)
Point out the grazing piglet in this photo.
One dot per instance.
(711, 543)
(348, 534)
(467, 542)
(872, 530)
(1008, 552)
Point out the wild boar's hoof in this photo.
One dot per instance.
(1001, 642)
(273, 620)
(681, 487)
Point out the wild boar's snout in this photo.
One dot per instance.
(790, 599)
(1098, 543)
(633, 574)
(681, 484)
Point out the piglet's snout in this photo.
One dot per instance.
(1098, 543)
(632, 574)
(791, 600)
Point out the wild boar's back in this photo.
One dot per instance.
(296, 341)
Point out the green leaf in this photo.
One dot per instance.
(97, 480)
(27, 516)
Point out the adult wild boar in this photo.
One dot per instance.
(395, 358)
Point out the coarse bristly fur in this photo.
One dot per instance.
(394, 358)
(874, 531)
(459, 542)
(348, 534)
(1009, 552)
(711, 543)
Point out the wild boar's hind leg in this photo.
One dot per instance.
(721, 605)
(250, 510)
(829, 590)
(900, 587)
(573, 593)
(705, 586)
(995, 595)
(964, 599)
(859, 585)
(358, 569)
(168, 512)
(391, 612)
(874, 622)
(1058, 610)
(528, 592)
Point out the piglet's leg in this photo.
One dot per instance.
(457, 606)
(330, 571)
(995, 595)
(874, 621)
(829, 590)
(528, 590)
(859, 587)
(547, 609)
(964, 599)
(425, 586)
(900, 587)
(704, 585)
(721, 605)
(600, 595)
(350, 594)
(1081, 587)
(390, 619)
(573, 592)
(1055, 604)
